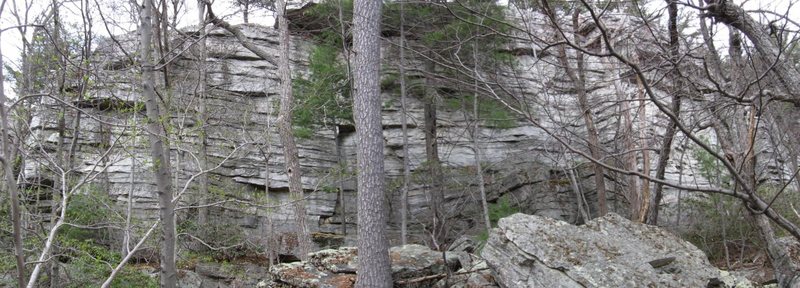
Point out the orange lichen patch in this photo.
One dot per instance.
(794, 251)
(488, 277)
(342, 281)
(398, 259)
(298, 272)
(341, 258)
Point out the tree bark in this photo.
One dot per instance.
(731, 14)
(669, 134)
(404, 127)
(636, 198)
(239, 36)
(737, 138)
(346, 52)
(578, 78)
(787, 271)
(202, 212)
(60, 155)
(343, 166)
(160, 157)
(373, 256)
(290, 155)
(645, 147)
(436, 192)
(475, 136)
(10, 181)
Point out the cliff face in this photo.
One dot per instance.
(523, 163)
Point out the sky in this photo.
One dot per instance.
(121, 13)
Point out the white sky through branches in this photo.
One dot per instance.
(124, 19)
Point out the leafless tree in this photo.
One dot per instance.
(10, 182)
(404, 126)
(577, 75)
(161, 158)
(287, 134)
(675, 109)
(284, 119)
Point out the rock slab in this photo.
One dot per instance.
(610, 251)
(412, 266)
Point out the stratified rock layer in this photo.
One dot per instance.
(522, 160)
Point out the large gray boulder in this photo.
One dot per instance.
(611, 251)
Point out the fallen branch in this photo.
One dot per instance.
(437, 276)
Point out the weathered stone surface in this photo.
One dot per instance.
(337, 268)
(224, 275)
(534, 251)
(415, 261)
(187, 278)
(522, 162)
(474, 276)
(213, 270)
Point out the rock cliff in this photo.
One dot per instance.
(523, 163)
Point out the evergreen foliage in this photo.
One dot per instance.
(494, 114)
(323, 96)
(449, 34)
(710, 167)
(500, 209)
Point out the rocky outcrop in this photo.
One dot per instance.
(243, 142)
(522, 161)
(611, 251)
(412, 266)
(223, 275)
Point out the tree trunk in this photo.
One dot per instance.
(645, 147)
(202, 212)
(60, 155)
(669, 135)
(475, 136)
(339, 140)
(436, 192)
(731, 14)
(162, 34)
(126, 238)
(292, 160)
(373, 257)
(266, 152)
(738, 140)
(160, 157)
(246, 12)
(637, 199)
(787, 271)
(10, 181)
(578, 78)
(343, 166)
(404, 127)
